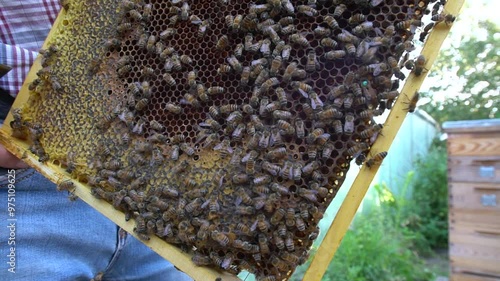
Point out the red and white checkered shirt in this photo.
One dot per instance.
(24, 25)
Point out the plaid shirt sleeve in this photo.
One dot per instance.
(24, 25)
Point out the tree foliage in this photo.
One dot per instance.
(476, 66)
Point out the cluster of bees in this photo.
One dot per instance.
(282, 95)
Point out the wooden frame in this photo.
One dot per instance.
(182, 260)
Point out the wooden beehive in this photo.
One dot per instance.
(99, 82)
(474, 199)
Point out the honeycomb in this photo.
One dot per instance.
(224, 127)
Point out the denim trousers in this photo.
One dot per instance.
(59, 239)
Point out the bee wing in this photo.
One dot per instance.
(304, 93)
(375, 3)
(238, 200)
(377, 70)
(195, 19)
(219, 146)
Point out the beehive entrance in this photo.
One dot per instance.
(226, 128)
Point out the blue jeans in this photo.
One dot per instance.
(56, 239)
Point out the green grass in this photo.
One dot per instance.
(401, 238)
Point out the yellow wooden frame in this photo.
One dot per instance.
(356, 193)
(182, 260)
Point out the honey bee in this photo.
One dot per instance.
(190, 100)
(185, 11)
(234, 117)
(277, 153)
(135, 15)
(211, 124)
(310, 167)
(409, 24)
(312, 63)
(371, 131)
(244, 210)
(193, 205)
(322, 32)
(123, 71)
(286, 20)
(243, 228)
(447, 18)
(285, 53)
(238, 132)
(328, 42)
(245, 75)
(265, 48)
(224, 148)
(191, 78)
(240, 178)
(299, 39)
(285, 127)
(350, 48)
(426, 31)
(276, 65)
(248, 109)
(360, 159)
(331, 22)
(186, 60)
(299, 128)
(174, 153)
(264, 247)
(124, 28)
(222, 43)
(297, 172)
(223, 68)
(220, 238)
(141, 104)
(182, 166)
(282, 114)
(66, 185)
(307, 10)
(261, 223)
(404, 46)
(250, 166)
(235, 64)
(201, 260)
(339, 10)
(166, 51)
(147, 72)
(357, 149)
(278, 241)
(150, 46)
(369, 113)
(363, 27)
(349, 124)
(316, 102)
(376, 160)
(227, 108)
(258, 9)
(356, 18)
(302, 87)
(269, 83)
(146, 12)
(290, 258)
(203, 28)
(229, 19)
(419, 65)
(333, 55)
(127, 5)
(289, 29)
(187, 149)
(412, 105)
(169, 79)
